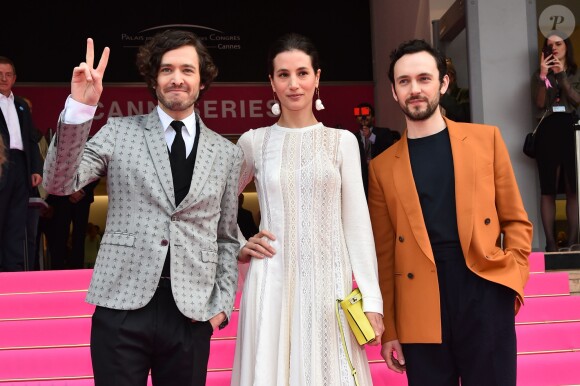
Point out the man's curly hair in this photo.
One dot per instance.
(150, 54)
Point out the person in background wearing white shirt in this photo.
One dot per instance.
(21, 171)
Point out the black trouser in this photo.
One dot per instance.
(32, 239)
(13, 208)
(65, 213)
(125, 345)
(478, 325)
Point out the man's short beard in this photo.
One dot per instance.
(415, 116)
(180, 105)
(176, 105)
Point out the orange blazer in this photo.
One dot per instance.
(494, 229)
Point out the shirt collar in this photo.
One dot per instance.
(166, 120)
(9, 97)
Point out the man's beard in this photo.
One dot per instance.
(421, 115)
(176, 104)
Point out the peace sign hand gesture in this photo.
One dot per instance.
(87, 82)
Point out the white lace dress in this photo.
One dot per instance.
(312, 198)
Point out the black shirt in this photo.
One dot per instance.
(433, 172)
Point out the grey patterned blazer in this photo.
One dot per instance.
(142, 220)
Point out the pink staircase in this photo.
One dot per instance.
(45, 329)
(548, 329)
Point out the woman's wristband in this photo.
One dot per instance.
(543, 79)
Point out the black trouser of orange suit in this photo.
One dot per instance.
(478, 326)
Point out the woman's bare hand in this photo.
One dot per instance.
(258, 246)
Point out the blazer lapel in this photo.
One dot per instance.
(203, 162)
(24, 133)
(464, 168)
(407, 193)
(4, 126)
(154, 135)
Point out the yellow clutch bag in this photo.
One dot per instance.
(352, 306)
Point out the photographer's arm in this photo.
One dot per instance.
(541, 82)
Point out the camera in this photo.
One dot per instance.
(547, 50)
(363, 112)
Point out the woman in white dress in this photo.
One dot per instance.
(315, 232)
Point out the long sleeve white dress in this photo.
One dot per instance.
(312, 199)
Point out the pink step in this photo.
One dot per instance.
(214, 378)
(66, 331)
(549, 369)
(537, 262)
(533, 370)
(546, 284)
(45, 281)
(45, 332)
(382, 376)
(76, 361)
(221, 354)
(219, 378)
(44, 305)
(71, 330)
(53, 382)
(64, 382)
(41, 363)
(548, 337)
(531, 338)
(549, 309)
(374, 353)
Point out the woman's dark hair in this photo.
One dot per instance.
(150, 54)
(412, 47)
(289, 42)
(570, 62)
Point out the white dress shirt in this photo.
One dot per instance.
(11, 117)
(188, 130)
(76, 113)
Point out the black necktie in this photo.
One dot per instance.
(178, 145)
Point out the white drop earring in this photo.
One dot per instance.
(318, 103)
(275, 108)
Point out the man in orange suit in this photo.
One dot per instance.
(452, 237)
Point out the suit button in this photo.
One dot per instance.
(164, 243)
(401, 239)
(173, 218)
(410, 275)
(487, 221)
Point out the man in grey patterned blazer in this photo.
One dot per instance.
(166, 272)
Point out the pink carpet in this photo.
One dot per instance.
(45, 330)
(549, 309)
(41, 281)
(547, 284)
(537, 262)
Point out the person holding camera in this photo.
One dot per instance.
(557, 98)
(372, 140)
